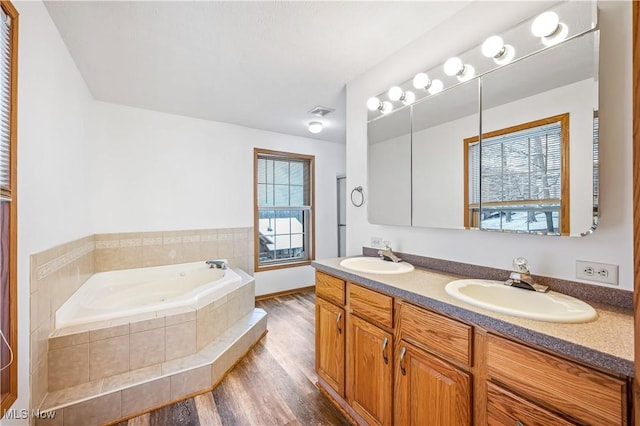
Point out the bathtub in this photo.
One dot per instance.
(115, 294)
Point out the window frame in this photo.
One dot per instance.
(310, 236)
(10, 395)
(469, 222)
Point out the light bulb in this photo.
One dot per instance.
(395, 93)
(453, 66)
(557, 36)
(468, 73)
(409, 97)
(387, 107)
(545, 24)
(436, 87)
(507, 56)
(421, 80)
(315, 127)
(493, 47)
(373, 103)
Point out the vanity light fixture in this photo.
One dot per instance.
(494, 47)
(548, 27)
(373, 104)
(315, 127)
(422, 81)
(397, 94)
(455, 66)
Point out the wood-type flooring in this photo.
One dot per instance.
(273, 385)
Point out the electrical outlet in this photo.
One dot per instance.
(600, 272)
(377, 242)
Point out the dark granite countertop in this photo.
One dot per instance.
(606, 342)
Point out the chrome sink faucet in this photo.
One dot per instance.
(520, 277)
(387, 254)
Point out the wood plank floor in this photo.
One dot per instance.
(273, 385)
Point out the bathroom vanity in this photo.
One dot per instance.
(397, 349)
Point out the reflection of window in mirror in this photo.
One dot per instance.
(521, 181)
(596, 164)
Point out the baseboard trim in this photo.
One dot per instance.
(285, 293)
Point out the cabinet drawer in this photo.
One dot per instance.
(578, 391)
(331, 288)
(371, 305)
(505, 408)
(436, 332)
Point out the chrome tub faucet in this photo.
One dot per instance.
(216, 264)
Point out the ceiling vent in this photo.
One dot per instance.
(321, 111)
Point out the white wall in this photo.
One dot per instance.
(53, 105)
(153, 171)
(550, 256)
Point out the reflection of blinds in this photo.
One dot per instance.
(474, 173)
(596, 158)
(518, 166)
(5, 105)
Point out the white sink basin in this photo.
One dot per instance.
(497, 297)
(374, 265)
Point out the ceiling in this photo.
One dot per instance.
(262, 64)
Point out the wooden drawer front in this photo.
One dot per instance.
(371, 305)
(436, 332)
(580, 392)
(505, 408)
(331, 288)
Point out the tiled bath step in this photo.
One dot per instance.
(124, 395)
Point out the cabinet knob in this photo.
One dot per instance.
(403, 352)
(385, 342)
(338, 318)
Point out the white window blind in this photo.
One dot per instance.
(518, 166)
(5, 106)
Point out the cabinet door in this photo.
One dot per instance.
(330, 344)
(369, 371)
(429, 391)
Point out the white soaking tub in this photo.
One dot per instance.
(116, 294)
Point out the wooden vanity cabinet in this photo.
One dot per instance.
(432, 379)
(370, 355)
(330, 331)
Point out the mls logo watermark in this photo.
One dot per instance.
(21, 414)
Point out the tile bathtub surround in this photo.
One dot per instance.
(56, 274)
(142, 249)
(79, 355)
(593, 293)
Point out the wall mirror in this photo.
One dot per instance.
(389, 169)
(535, 168)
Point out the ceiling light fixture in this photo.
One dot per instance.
(455, 66)
(315, 127)
(422, 81)
(494, 47)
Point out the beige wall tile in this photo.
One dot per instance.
(191, 251)
(145, 396)
(108, 332)
(106, 259)
(44, 305)
(180, 317)
(190, 382)
(129, 257)
(33, 311)
(225, 248)
(68, 366)
(146, 348)
(98, 411)
(180, 340)
(209, 249)
(39, 382)
(212, 321)
(57, 420)
(68, 340)
(129, 378)
(149, 324)
(69, 395)
(108, 357)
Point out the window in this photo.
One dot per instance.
(8, 211)
(520, 182)
(283, 224)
